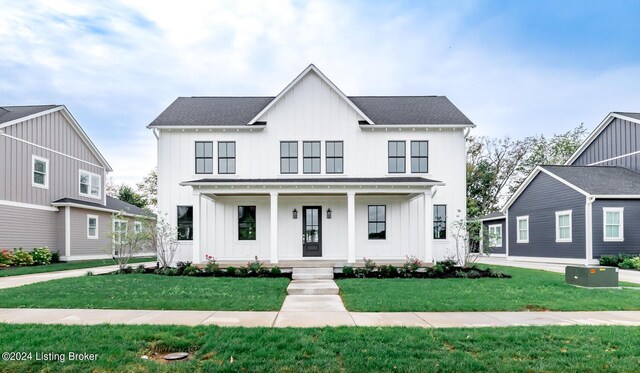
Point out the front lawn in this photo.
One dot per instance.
(151, 292)
(515, 349)
(526, 290)
(63, 266)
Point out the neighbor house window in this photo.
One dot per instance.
(92, 227)
(137, 227)
(227, 157)
(377, 222)
(185, 223)
(613, 223)
(311, 157)
(334, 157)
(419, 157)
(40, 170)
(523, 229)
(440, 222)
(289, 157)
(563, 226)
(119, 230)
(495, 235)
(397, 157)
(204, 157)
(246, 223)
(90, 184)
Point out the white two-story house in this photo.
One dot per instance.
(312, 175)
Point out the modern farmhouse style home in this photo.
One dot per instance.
(52, 186)
(312, 175)
(588, 207)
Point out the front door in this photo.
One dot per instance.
(311, 231)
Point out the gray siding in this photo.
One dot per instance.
(540, 200)
(631, 243)
(30, 228)
(485, 228)
(618, 138)
(80, 244)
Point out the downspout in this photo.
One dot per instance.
(588, 208)
(466, 132)
(155, 133)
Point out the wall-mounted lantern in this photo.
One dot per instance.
(328, 213)
(295, 213)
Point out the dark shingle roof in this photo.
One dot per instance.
(630, 115)
(237, 111)
(599, 180)
(381, 180)
(492, 216)
(10, 113)
(112, 204)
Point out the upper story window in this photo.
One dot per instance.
(495, 235)
(563, 226)
(227, 157)
(613, 222)
(419, 157)
(185, 223)
(334, 157)
(439, 222)
(204, 157)
(289, 157)
(246, 223)
(522, 229)
(311, 157)
(90, 184)
(397, 157)
(40, 170)
(378, 222)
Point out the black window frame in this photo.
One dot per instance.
(255, 225)
(312, 158)
(396, 157)
(203, 157)
(189, 224)
(227, 158)
(376, 222)
(334, 157)
(289, 157)
(419, 157)
(439, 223)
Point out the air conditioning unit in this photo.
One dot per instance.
(592, 276)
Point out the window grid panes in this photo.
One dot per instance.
(335, 160)
(495, 236)
(204, 157)
(612, 224)
(377, 222)
(523, 230)
(419, 156)
(185, 223)
(312, 224)
(90, 184)
(564, 227)
(397, 157)
(39, 172)
(226, 157)
(92, 227)
(246, 223)
(439, 222)
(311, 157)
(119, 230)
(289, 157)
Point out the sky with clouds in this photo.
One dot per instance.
(515, 68)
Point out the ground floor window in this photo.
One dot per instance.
(246, 223)
(377, 222)
(613, 223)
(439, 222)
(563, 226)
(185, 223)
(523, 229)
(137, 227)
(119, 230)
(92, 227)
(495, 235)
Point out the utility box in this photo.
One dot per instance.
(592, 276)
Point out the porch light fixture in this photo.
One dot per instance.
(295, 213)
(328, 213)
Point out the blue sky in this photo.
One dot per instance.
(514, 67)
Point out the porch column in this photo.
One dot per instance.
(351, 227)
(197, 226)
(428, 226)
(274, 228)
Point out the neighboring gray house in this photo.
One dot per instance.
(588, 207)
(493, 233)
(52, 186)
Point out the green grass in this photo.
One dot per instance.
(514, 349)
(63, 266)
(526, 290)
(153, 292)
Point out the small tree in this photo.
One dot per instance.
(466, 235)
(128, 241)
(164, 241)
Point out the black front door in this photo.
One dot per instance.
(311, 231)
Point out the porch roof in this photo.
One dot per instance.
(399, 180)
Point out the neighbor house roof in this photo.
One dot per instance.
(599, 180)
(11, 113)
(113, 205)
(492, 216)
(319, 180)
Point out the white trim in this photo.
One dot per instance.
(89, 236)
(617, 196)
(549, 260)
(91, 174)
(494, 218)
(81, 206)
(614, 158)
(49, 150)
(415, 126)
(518, 220)
(310, 68)
(619, 210)
(67, 231)
(27, 205)
(588, 221)
(506, 230)
(558, 215)
(499, 226)
(35, 158)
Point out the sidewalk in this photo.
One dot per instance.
(15, 281)
(316, 318)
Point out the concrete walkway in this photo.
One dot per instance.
(624, 274)
(317, 318)
(15, 281)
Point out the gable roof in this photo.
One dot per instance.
(376, 110)
(10, 115)
(629, 116)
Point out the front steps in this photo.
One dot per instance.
(312, 274)
(312, 281)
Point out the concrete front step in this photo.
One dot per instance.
(312, 274)
(312, 287)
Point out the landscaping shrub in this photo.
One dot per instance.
(55, 257)
(22, 258)
(190, 270)
(388, 271)
(232, 271)
(614, 260)
(348, 271)
(276, 271)
(41, 255)
(412, 264)
(180, 266)
(6, 258)
(141, 269)
(212, 267)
